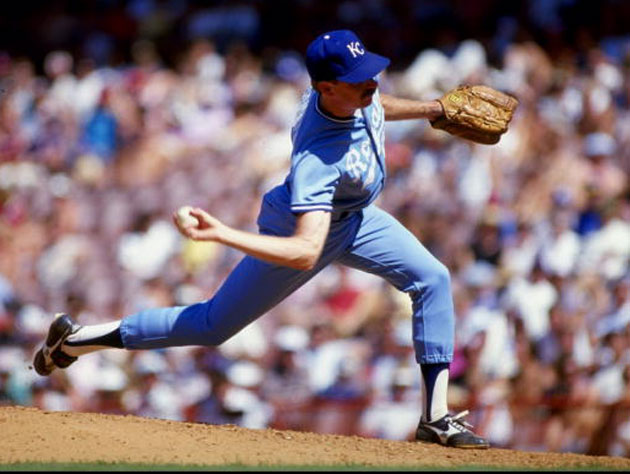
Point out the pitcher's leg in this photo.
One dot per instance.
(383, 246)
(251, 290)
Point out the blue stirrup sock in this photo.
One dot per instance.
(435, 388)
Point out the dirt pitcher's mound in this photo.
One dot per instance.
(29, 434)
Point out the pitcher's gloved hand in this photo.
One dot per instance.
(477, 113)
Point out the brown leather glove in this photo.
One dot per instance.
(477, 113)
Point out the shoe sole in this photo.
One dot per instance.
(472, 446)
(430, 437)
(458, 446)
(59, 330)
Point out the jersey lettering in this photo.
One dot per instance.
(361, 163)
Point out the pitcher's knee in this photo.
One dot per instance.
(213, 334)
(437, 279)
(219, 332)
(442, 276)
(431, 283)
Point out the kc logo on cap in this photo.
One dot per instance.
(356, 48)
(340, 55)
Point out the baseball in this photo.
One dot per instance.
(184, 218)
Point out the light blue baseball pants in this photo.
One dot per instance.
(370, 240)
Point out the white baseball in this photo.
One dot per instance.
(184, 218)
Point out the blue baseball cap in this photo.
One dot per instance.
(340, 55)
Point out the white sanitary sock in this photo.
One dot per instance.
(80, 343)
(437, 406)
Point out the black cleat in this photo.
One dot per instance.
(50, 356)
(450, 431)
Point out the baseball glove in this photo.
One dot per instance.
(477, 113)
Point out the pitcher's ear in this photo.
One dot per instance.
(324, 87)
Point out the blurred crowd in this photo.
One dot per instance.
(535, 230)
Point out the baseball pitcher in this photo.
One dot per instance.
(324, 212)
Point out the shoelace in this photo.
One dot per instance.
(458, 423)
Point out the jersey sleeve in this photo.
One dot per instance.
(314, 181)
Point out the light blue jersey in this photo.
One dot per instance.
(337, 164)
